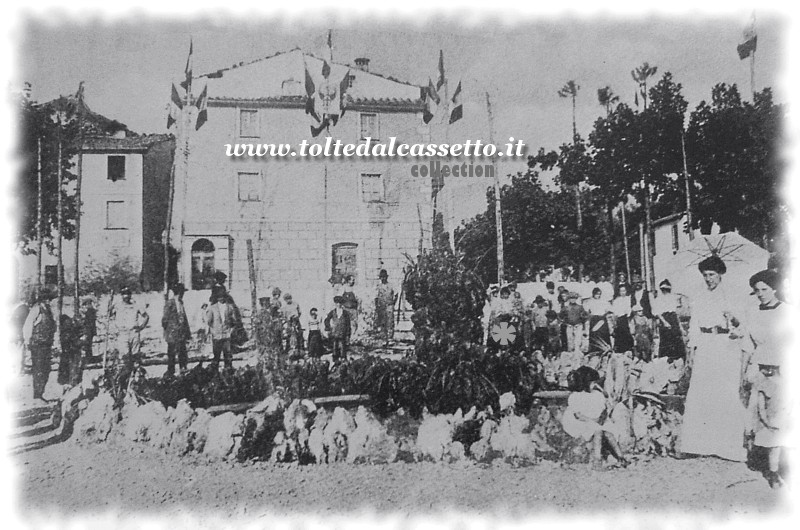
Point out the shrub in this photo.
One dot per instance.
(101, 278)
(447, 298)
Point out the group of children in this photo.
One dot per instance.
(561, 321)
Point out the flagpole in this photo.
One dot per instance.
(688, 193)
(497, 207)
(76, 308)
(186, 117)
(753, 75)
(625, 239)
(39, 212)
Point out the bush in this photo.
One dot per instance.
(99, 278)
(447, 299)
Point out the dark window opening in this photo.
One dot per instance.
(203, 264)
(116, 168)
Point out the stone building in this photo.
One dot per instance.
(306, 218)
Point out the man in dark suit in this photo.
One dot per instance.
(337, 325)
(176, 330)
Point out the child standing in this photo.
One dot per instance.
(585, 414)
(553, 334)
(642, 331)
(315, 350)
(575, 317)
(539, 323)
(772, 413)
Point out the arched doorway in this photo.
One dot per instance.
(344, 262)
(202, 264)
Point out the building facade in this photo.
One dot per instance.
(307, 219)
(121, 219)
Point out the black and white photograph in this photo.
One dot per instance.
(358, 265)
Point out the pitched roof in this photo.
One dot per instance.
(280, 78)
(138, 143)
(93, 123)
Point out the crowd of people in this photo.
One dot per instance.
(613, 319)
(736, 406)
(736, 354)
(278, 326)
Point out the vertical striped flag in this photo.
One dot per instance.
(458, 111)
(202, 107)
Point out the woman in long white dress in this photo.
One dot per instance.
(714, 416)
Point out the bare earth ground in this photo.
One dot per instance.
(67, 480)
(75, 481)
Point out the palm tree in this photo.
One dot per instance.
(570, 90)
(640, 75)
(606, 97)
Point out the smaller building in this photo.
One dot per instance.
(124, 203)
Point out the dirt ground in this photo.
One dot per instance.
(70, 481)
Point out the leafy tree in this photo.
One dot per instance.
(539, 228)
(44, 125)
(450, 295)
(733, 157)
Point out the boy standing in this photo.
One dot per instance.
(574, 316)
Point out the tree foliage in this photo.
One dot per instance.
(450, 296)
(637, 157)
(47, 125)
(733, 156)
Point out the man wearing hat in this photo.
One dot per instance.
(221, 321)
(337, 326)
(176, 330)
(540, 307)
(575, 317)
(88, 326)
(384, 307)
(38, 333)
(641, 296)
(129, 320)
(665, 310)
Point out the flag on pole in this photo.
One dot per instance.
(311, 91)
(187, 84)
(175, 106)
(321, 127)
(458, 111)
(202, 107)
(748, 47)
(441, 80)
(176, 98)
(344, 84)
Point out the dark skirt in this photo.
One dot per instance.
(622, 335)
(315, 348)
(671, 338)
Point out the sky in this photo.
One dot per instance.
(128, 62)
